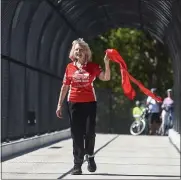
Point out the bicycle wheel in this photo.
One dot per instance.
(137, 127)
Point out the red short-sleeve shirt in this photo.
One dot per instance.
(81, 81)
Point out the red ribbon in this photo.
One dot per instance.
(113, 55)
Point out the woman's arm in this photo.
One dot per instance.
(105, 75)
(63, 93)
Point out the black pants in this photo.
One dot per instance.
(154, 122)
(82, 124)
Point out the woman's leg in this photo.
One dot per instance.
(166, 123)
(90, 136)
(161, 130)
(154, 121)
(150, 117)
(158, 122)
(77, 124)
(90, 129)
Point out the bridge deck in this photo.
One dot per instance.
(117, 157)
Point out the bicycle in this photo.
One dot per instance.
(138, 126)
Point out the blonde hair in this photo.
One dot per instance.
(85, 46)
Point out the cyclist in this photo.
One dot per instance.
(137, 110)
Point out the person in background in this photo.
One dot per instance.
(154, 114)
(167, 110)
(137, 110)
(78, 80)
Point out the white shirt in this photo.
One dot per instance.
(153, 105)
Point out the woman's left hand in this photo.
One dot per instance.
(106, 59)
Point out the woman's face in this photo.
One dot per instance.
(169, 94)
(79, 53)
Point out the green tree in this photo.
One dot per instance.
(147, 61)
(146, 58)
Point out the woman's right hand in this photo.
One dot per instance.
(59, 112)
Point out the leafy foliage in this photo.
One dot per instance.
(147, 61)
(146, 58)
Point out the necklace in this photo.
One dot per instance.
(80, 66)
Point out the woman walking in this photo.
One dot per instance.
(78, 82)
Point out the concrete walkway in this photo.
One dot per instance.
(117, 157)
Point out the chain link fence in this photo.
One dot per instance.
(29, 100)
